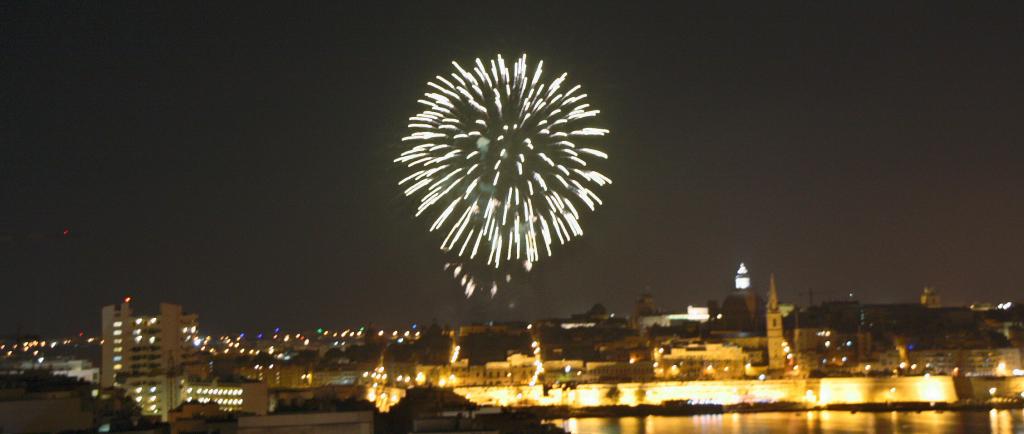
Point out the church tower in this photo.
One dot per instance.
(776, 355)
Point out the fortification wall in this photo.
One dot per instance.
(815, 391)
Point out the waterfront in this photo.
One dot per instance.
(815, 422)
(815, 391)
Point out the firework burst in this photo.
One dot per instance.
(501, 161)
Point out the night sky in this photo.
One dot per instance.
(237, 160)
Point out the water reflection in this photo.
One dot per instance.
(815, 422)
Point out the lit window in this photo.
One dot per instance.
(117, 332)
(117, 340)
(117, 323)
(117, 358)
(117, 349)
(117, 367)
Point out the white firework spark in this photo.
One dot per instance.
(501, 159)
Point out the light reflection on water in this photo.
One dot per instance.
(815, 422)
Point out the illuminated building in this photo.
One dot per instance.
(562, 371)
(829, 349)
(277, 375)
(244, 397)
(352, 375)
(143, 354)
(693, 314)
(73, 368)
(614, 372)
(964, 362)
(700, 361)
(517, 369)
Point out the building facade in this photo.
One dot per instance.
(700, 361)
(144, 354)
(978, 362)
(244, 397)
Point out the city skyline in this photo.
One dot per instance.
(246, 173)
(928, 296)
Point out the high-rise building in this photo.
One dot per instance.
(773, 319)
(144, 354)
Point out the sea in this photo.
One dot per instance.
(807, 422)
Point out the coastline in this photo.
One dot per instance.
(684, 409)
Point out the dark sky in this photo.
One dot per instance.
(237, 160)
